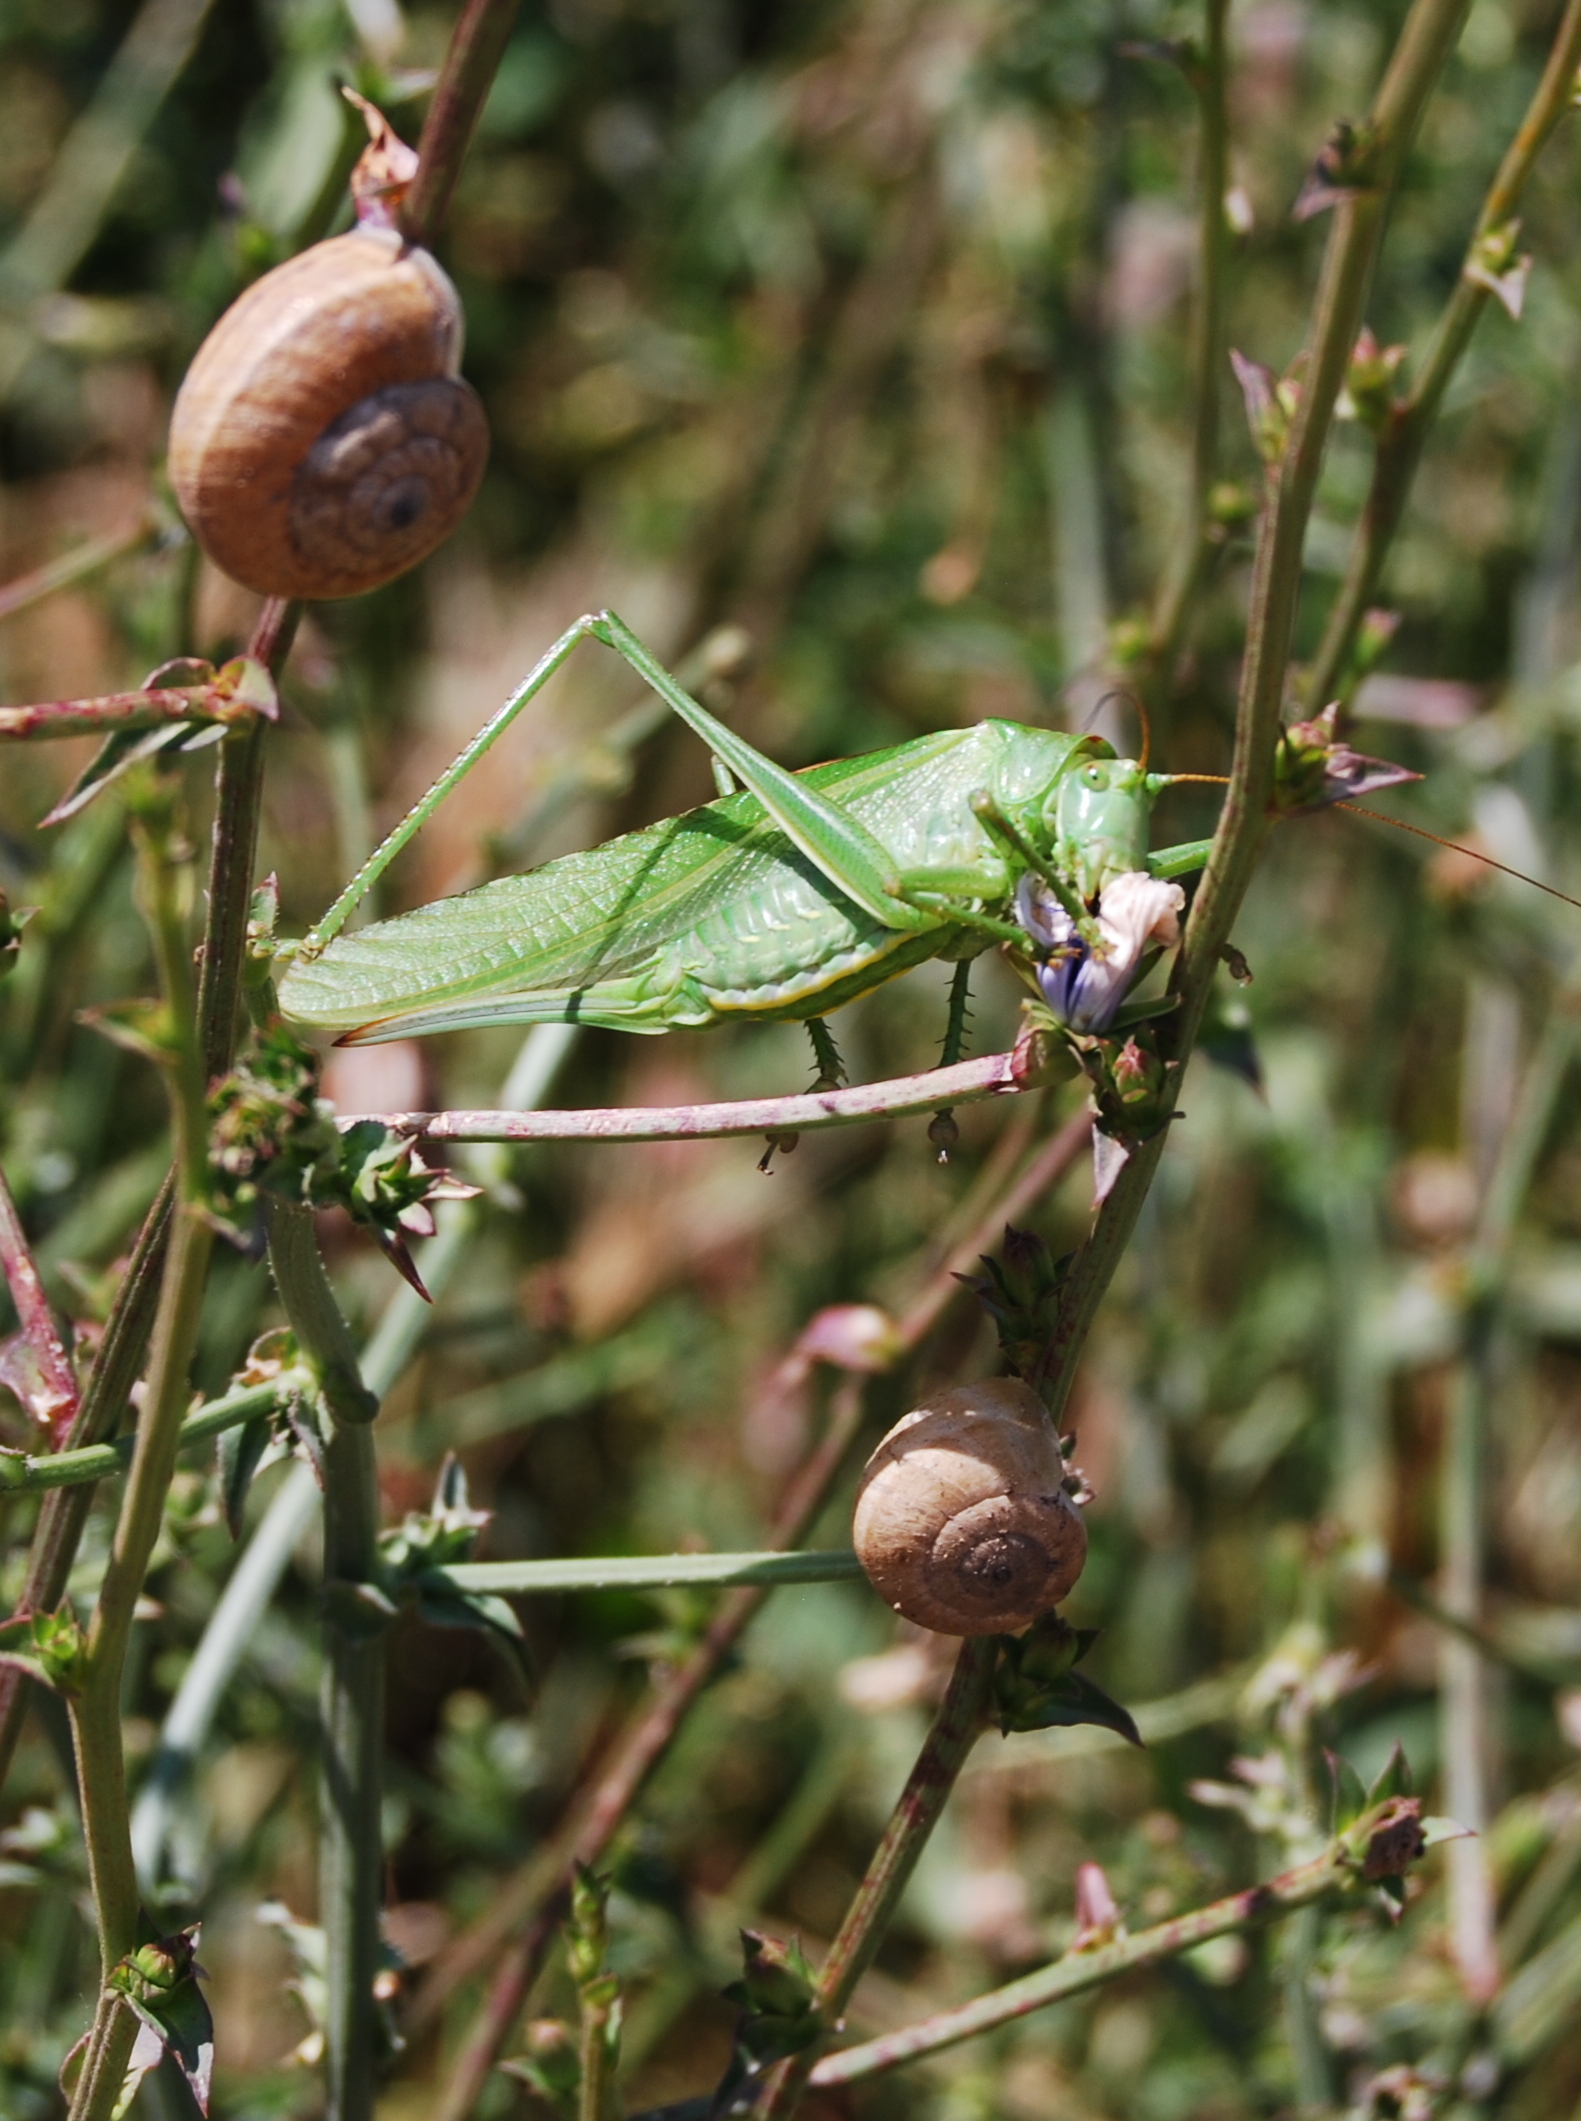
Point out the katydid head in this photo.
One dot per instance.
(1098, 818)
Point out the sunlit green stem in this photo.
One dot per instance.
(96, 1714)
(352, 1687)
(101, 1461)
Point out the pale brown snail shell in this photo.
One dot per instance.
(962, 1520)
(322, 441)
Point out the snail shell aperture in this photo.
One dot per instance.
(962, 1521)
(322, 441)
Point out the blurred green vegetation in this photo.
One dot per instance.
(862, 327)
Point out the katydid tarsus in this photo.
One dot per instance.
(784, 899)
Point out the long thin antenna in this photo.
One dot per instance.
(1123, 692)
(1455, 847)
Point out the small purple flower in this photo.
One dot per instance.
(1086, 984)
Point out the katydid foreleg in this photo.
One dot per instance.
(829, 837)
(831, 1076)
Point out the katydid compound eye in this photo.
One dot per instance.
(1096, 777)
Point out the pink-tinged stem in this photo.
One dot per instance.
(967, 1083)
(956, 1728)
(110, 710)
(57, 1403)
(476, 47)
(1293, 1889)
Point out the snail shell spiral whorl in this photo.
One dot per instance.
(962, 1522)
(322, 441)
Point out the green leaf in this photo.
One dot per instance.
(1073, 1700)
(443, 1607)
(360, 1610)
(159, 1981)
(121, 750)
(1393, 1779)
(1438, 1830)
(240, 1453)
(1351, 1797)
(1037, 1688)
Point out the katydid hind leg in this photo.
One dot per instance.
(841, 848)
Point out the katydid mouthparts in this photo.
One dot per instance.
(785, 899)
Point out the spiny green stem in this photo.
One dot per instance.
(959, 1016)
(352, 1688)
(1302, 1887)
(64, 1513)
(1399, 448)
(102, 1461)
(96, 1714)
(826, 1054)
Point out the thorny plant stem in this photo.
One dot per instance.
(57, 1404)
(42, 721)
(120, 1357)
(101, 1461)
(960, 1721)
(968, 1082)
(477, 46)
(1185, 577)
(295, 1503)
(1301, 1887)
(596, 2094)
(1425, 43)
(352, 1685)
(96, 1713)
(1399, 447)
(531, 1898)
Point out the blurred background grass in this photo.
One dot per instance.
(863, 328)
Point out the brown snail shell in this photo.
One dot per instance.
(962, 1521)
(322, 441)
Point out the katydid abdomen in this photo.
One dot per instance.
(700, 918)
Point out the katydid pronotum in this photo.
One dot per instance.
(784, 898)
